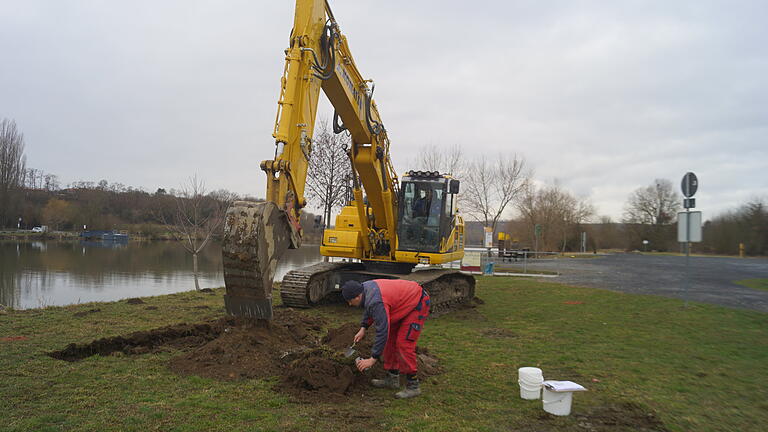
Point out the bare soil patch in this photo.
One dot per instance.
(623, 416)
(620, 416)
(309, 363)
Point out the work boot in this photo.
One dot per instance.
(412, 389)
(391, 381)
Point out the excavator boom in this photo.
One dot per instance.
(258, 234)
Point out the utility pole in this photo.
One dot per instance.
(537, 232)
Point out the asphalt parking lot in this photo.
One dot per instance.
(711, 278)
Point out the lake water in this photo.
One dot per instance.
(37, 274)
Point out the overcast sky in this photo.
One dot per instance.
(603, 97)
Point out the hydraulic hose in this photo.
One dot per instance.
(374, 127)
(337, 127)
(328, 44)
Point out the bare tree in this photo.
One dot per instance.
(490, 186)
(51, 182)
(329, 171)
(447, 160)
(559, 213)
(648, 213)
(196, 217)
(655, 204)
(12, 168)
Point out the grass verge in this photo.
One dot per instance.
(758, 284)
(702, 368)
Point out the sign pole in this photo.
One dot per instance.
(690, 185)
(687, 256)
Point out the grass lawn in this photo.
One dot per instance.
(703, 368)
(698, 255)
(759, 284)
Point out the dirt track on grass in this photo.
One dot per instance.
(309, 362)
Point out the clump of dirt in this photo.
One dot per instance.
(340, 338)
(319, 370)
(620, 416)
(310, 367)
(135, 301)
(322, 374)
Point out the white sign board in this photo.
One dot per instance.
(684, 232)
(488, 237)
(471, 259)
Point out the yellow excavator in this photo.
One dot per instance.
(383, 233)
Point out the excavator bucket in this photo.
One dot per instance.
(256, 235)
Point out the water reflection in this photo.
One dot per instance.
(37, 274)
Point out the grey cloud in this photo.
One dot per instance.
(605, 96)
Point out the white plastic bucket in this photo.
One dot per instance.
(529, 392)
(530, 380)
(557, 403)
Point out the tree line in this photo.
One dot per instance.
(499, 192)
(100, 206)
(31, 197)
(495, 188)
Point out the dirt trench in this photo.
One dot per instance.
(308, 361)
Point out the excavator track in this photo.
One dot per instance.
(448, 289)
(308, 286)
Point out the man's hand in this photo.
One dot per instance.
(359, 335)
(364, 364)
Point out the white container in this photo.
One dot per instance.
(557, 403)
(530, 380)
(529, 392)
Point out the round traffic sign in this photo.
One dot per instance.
(690, 184)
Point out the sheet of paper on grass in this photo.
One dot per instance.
(563, 386)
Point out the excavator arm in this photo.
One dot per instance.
(258, 234)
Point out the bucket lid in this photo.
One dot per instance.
(530, 373)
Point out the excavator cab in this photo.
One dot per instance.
(426, 211)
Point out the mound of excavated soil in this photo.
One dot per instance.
(310, 367)
(248, 350)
